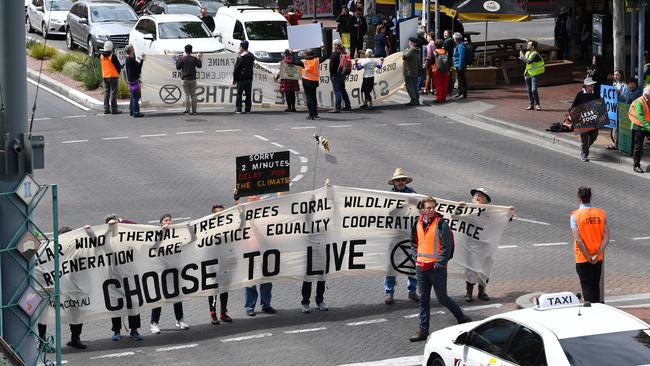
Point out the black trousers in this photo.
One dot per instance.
(291, 99)
(244, 87)
(309, 86)
(306, 292)
(462, 82)
(223, 300)
(588, 139)
(75, 330)
(589, 275)
(367, 86)
(134, 323)
(639, 140)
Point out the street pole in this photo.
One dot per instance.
(618, 26)
(437, 15)
(633, 41)
(13, 123)
(426, 14)
(642, 5)
(314, 10)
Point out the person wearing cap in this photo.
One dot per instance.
(479, 196)
(207, 19)
(587, 94)
(534, 67)
(639, 114)
(188, 65)
(399, 183)
(292, 16)
(111, 74)
(243, 77)
(411, 70)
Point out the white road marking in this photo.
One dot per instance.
(481, 307)
(531, 221)
(294, 152)
(634, 306)
(79, 116)
(381, 125)
(261, 137)
(173, 348)
(115, 138)
(73, 141)
(41, 119)
(409, 124)
(365, 322)
(631, 297)
(337, 126)
(303, 128)
(276, 144)
(401, 361)
(244, 338)
(297, 178)
(227, 130)
(641, 238)
(113, 355)
(155, 135)
(60, 96)
(418, 314)
(303, 169)
(189, 132)
(549, 244)
(303, 159)
(507, 246)
(303, 330)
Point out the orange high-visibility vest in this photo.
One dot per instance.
(428, 242)
(591, 226)
(311, 70)
(632, 112)
(108, 69)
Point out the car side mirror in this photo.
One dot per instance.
(149, 37)
(461, 339)
(83, 21)
(40, 8)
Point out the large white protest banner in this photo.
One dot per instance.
(162, 84)
(119, 269)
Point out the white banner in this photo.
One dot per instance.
(162, 84)
(120, 269)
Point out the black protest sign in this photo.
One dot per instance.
(588, 116)
(263, 173)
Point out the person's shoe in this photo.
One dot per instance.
(225, 318)
(138, 115)
(334, 111)
(529, 108)
(371, 108)
(316, 117)
(116, 336)
(467, 319)
(481, 293)
(117, 111)
(213, 318)
(107, 111)
(469, 288)
(584, 158)
(250, 312)
(322, 306)
(419, 336)
(305, 308)
(388, 299)
(414, 297)
(347, 109)
(310, 118)
(76, 343)
(237, 112)
(463, 97)
(181, 324)
(287, 109)
(154, 328)
(457, 96)
(269, 310)
(136, 336)
(538, 108)
(193, 113)
(638, 169)
(293, 110)
(186, 112)
(364, 106)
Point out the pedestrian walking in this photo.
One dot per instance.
(343, 26)
(587, 94)
(340, 68)
(111, 69)
(411, 70)
(479, 196)
(591, 236)
(289, 87)
(562, 32)
(358, 28)
(188, 65)
(368, 84)
(429, 64)
(399, 183)
(243, 77)
(380, 49)
(639, 114)
(223, 297)
(440, 72)
(460, 65)
(207, 19)
(534, 67)
(133, 71)
(434, 244)
(292, 15)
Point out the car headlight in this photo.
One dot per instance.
(102, 37)
(262, 54)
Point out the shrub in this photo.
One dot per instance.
(73, 70)
(42, 52)
(91, 73)
(123, 89)
(31, 42)
(62, 58)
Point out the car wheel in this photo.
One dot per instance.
(90, 48)
(30, 29)
(436, 361)
(69, 43)
(44, 30)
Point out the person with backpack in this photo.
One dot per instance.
(434, 247)
(460, 65)
(534, 67)
(340, 69)
(440, 71)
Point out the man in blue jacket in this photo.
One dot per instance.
(460, 65)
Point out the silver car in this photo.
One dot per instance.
(91, 23)
(48, 16)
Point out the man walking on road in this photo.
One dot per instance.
(338, 79)
(412, 67)
(534, 67)
(591, 236)
(639, 114)
(587, 94)
(434, 243)
(188, 64)
(111, 74)
(243, 77)
(460, 65)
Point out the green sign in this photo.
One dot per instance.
(624, 139)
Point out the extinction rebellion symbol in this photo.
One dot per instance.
(401, 258)
(170, 94)
(491, 6)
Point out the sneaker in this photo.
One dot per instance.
(186, 113)
(638, 169)
(213, 318)
(225, 318)
(584, 158)
(107, 111)
(237, 112)
(388, 299)
(250, 312)
(76, 343)
(419, 336)
(529, 108)
(467, 319)
(305, 309)
(117, 111)
(414, 297)
(136, 336)
(181, 324)
(538, 108)
(154, 328)
(138, 115)
(334, 111)
(322, 306)
(116, 336)
(269, 310)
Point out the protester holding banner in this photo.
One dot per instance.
(479, 196)
(223, 297)
(243, 77)
(368, 77)
(585, 95)
(288, 87)
(619, 84)
(639, 114)
(188, 65)
(133, 69)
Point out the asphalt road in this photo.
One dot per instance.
(141, 168)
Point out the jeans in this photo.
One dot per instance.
(250, 296)
(134, 106)
(134, 323)
(223, 299)
(436, 278)
(531, 86)
(244, 86)
(309, 86)
(110, 93)
(306, 292)
(639, 140)
(588, 139)
(589, 275)
(462, 82)
(189, 87)
(389, 285)
(411, 83)
(178, 312)
(338, 85)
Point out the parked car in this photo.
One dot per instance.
(169, 33)
(212, 5)
(91, 23)
(48, 16)
(192, 7)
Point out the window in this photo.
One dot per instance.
(267, 30)
(492, 337)
(620, 348)
(83, 12)
(37, 3)
(183, 9)
(238, 33)
(112, 13)
(75, 9)
(57, 5)
(140, 27)
(527, 348)
(183, 30)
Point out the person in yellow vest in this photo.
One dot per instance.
(639, 114)
(591, 236)
(111, 69)
(534, 67)
(434, 244)
(310, 77)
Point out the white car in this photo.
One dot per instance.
(48, 16)
(166, 34)
(558, 331)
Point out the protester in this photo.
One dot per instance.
(429, 64)
(448, 45)
(412, 68)
(440, 72)
(639, 114)
(619, 84)
(591, 236)
(389, 30)
(431, 265)
(207, 19)
(188, 65)
(111, 69)
(479, 196)
(587, 94)
(421, 44)
(223, 297)
(165, 223)
(133, 71)
(339, 60)
(368, 83)
(310, 76)
(399, 183)
(289, 87)
(243, 77)
(460, 65)
(343, 26)
(292, 15)
(632, 92)
(534, 67)
(358, 29)
(380, 49)
(598, 71)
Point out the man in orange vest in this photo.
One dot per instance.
(639, 114)
(111, 74)
(434, 244)
(591, 236)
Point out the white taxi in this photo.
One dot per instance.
(558, 331)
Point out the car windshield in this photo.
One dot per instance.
(58, 5)
(112, 13)
(183, 9)
(620, 349)
(270, 30)
(212, 6)
(180, 30)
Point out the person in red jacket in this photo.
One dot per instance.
(292, 15)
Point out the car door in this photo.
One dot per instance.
(36, 15)
(73, 20)
(238, 35)
(82, 29)
(488, 343)
(526, 348)
(151, 27)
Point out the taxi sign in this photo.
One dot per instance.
(557, 300)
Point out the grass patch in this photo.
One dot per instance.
(61, 58)
(73, 70)
(40, 51)
(91, 73)
(123, 89)
(31, 42)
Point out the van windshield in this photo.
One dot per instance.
(181, 30)
(269, 30)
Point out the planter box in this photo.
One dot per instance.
(556, 72)
(482, 77)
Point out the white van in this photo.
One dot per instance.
(264, 29)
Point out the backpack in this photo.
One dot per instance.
(442, 63)
(345, 65)
(469, 53)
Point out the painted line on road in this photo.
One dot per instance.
(115, 138)
(155, 135)
(339, 126)
(297, 331)
(59, 95)
(482, 307)
(418, 314)
(549, 244)
(297, 178)
(294, 152)
(41, 119)
(189, 132)
(245, 338)
(365, 322)
(631, 297)
(381, 125)
(641, 238)
(401, 361)
(261, 137)
(531, 221)
(173, 348)
(276, 144)
(79, 116)
(303, 169)
(227, 130)
(303, 128)
(73, 141)
(507, 246)
(113, 355)
(303, 160)
(634, 306)
(409, 124)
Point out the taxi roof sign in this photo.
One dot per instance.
(557, 300)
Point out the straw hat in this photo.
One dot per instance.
(400, 173)
(589, 81)
(483, 191)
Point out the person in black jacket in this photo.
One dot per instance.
(207, 19)
(243, 77)
(358, 28)
(338, 79)
(598, 71)
(343, 26)
(587, 94)
(133, 71)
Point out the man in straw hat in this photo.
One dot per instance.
(399, 182)
(587, 94)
